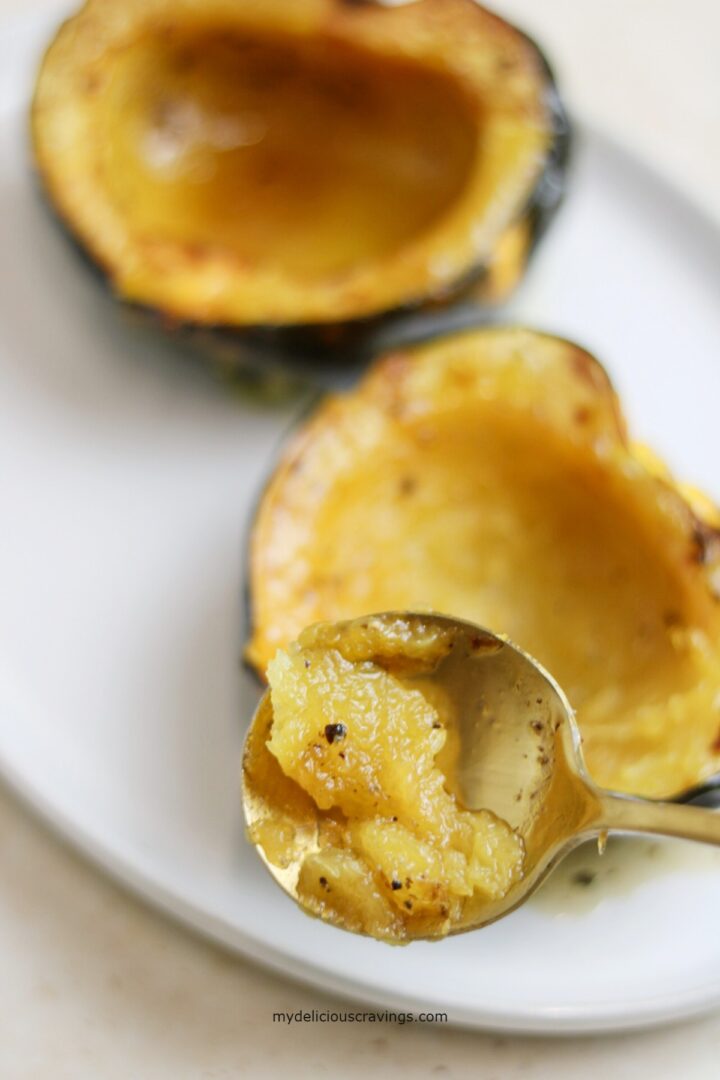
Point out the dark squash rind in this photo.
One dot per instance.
(308, 350)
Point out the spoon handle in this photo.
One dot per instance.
(624, 813)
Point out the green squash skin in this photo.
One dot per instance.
(280, 359)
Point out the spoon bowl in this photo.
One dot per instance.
(520, 758)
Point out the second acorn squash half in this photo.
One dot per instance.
(252, 163)
(489, 476)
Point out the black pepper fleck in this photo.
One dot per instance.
(335, 731)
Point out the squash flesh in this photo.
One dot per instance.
(251, 164)
(346, 160)
(397, 857)
(446, 482)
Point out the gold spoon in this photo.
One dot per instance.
(520, 758)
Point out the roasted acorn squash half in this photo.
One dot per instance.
(285, 163)
(489, 476)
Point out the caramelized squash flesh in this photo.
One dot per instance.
(284, 164)
(303, 158)
(489, 477)
(363, 744)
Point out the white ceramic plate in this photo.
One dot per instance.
(127, 477)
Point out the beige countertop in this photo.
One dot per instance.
(95, 985)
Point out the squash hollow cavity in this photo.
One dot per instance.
(302, 157)
(489, 477)
(277, 166)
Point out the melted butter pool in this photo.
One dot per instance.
(586, 878)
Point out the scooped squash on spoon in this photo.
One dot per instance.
(350, 783)
(283, 163)
(489, 476)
